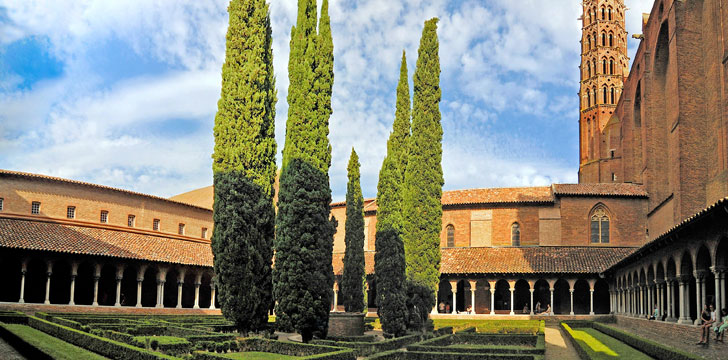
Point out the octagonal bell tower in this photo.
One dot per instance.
(604, 66)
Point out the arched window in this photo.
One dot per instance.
(604, 95)
(603, 17)
(609, 13)
(611, 91)
(594, 66)
(594, 37)
(450, 236)
(594, 92)
(611, 66)
(604, 66)
(516, 234)
(604, 39)
(588, 43)
(599, 226)
(588, 68)
(588, 98)
(611, 39)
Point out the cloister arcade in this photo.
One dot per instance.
(45, 278)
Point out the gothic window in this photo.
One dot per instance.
(611, 66)
(515, 234)
(604, 66)
(609, 13)
(588, 98)
(604, 95)
(611, 39)
(603, 13)
(594, 66)
(588, 68)
(599, 225)
(588, 43)
(611, 91)
(604, 39)
(450, 236)
(594, 91)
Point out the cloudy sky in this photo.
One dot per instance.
(124, 92)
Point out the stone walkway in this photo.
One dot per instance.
(7, 352)
(558, 347)
(680, 340)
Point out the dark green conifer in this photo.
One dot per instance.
(303, 276)
(422, 208)
(244, 168)
(389, 263)
(353, 278)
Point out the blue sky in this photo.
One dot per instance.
(124, 93)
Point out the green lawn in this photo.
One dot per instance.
(601, 346)
(255, 355)
(50, 345)
(162, 340)
(491, 326)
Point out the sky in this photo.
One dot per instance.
(124, 93)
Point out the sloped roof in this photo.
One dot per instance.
(72, 239)
(202, 197)
(530, 260)
(601, 189)
(338, 263)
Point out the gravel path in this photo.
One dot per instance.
(8, 352)
(557, 345)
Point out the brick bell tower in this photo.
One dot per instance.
(604, 66)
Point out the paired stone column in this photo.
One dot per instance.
(699, 293)
(119, 277)
(531, 290)
(74, 273)
(571, 296)
(670, 301)
(512, 289)
(684, 306)
(336, 295)
(642, 300)
(454, 290)
(140, 279)
(23, 271)
(719, 274)
(180, 284)
(198, 282)
(437, 299)
(97, 276)
(212, 294)
(591, 297)
(492, 300)
(49, 272)
(551, 304)
(473, 284)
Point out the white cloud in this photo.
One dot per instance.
(498, 59)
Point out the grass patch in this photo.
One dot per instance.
(50, 345)
(601, 346)
(162, 340)
(492, 326)
(256, 355)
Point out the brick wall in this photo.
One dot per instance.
(626, 225)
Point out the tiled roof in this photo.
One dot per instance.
(338, 262)
(202, 197)
(604, 189)
(497, 195)
(528, 260)
(4, 172)
(63, 238)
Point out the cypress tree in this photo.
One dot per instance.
(303, 276)
(352, 284)
(389, 261)
(422, 207)
(244, 168)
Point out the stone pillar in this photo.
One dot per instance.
(551, 289)
(571, 295)
(336, 295)
(684, 307)
(198, 282)
(74, 273)
(718, 290)
(97, 276)
(699, 293)
(212, 294)
(650, 305)
(660, 287)
(473, 284)
(642, 300)
(724, 293)
(139, 292)
(591, 297)
(49, 272)
(437, 299)
(512, 289)
(180, 283)
(119, 277)
(531, 290)
(670, 301)
(23, 271)
(454, 290)
(492, 300)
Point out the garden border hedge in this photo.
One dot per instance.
(22, 346)
(106, 347)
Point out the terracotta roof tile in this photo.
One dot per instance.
(526, 260)
(48, 236)
(632, 190)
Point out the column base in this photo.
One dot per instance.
(434, 310)
(685, 321)
(117, 305)
(178, 307)
(21, 301)
(512, 313)
(212, 308)
(571, 313)
(696, 322)
(138, 305)
(671, 319)
(591, 313)
(531, 313)
(492, 312)
(71, 303)
(95, 304)
(196, 307)
(47, 302)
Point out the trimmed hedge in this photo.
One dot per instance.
(651, 348)
(13, 317)
(168, 344)
(107, 347)
(368, 348)
(473, 343)
(363, 338)
(419, 355)
(212, 337)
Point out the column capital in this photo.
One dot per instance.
(571, 291)
(532, 290)
(683, 278)
(140, 279)
(492, 290)
(700, 274)
(454, 286)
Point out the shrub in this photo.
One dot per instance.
(649, 347)
(154, 344)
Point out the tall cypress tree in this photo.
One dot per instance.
(389, 262)
(303, 276)
(423, 177)
(352, 284)
(244, 168)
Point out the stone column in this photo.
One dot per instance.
(571, 301)
(180, 283)
(473, 284)
(642, 300)
(660, 287)
(49, 272)
(699, 292)
(97, 276)
(724, 293)
(198, 282)
(492, 300)
(551, 289)
(140, 279)
(531, 290)
(591, 297)
(454, 290)
(119, 277)
(718, 292)
(512, 289)
(650, 305)
(212, 294)
(23, 271)
(437, 299)
(684, 307)
(670, 301)
(336, 295)
(74, 273)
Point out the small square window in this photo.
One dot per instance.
(155, 225)
(204, 233)
(1, 204)
(71, 212)
(104, 216)
(131, 221)
(35, 208)
(181, 228)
